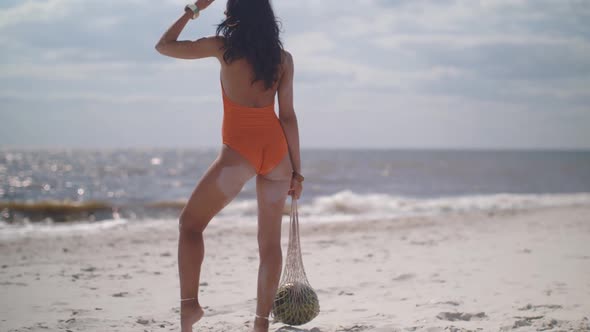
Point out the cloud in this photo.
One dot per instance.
(112, 98)
(74, 71)
(400, 60)
(32, 11)
(105, 22)
(393, 41)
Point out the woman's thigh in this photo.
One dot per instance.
(219, 185)
(271, 190)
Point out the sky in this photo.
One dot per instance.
(442, 74)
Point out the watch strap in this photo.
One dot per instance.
(194, 9)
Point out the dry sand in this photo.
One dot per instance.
(523, 271)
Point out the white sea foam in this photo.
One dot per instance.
(241, 208)
(349, 206)
(50, 228)
(341, 207)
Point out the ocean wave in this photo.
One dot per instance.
(346, 205)
(341, 206)
(349, 206)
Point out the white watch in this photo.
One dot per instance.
(194, 9)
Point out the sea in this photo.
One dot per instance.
(56, 191)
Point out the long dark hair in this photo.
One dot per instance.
(251, 31)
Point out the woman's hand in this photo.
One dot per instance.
(296, 188)
(202, 4)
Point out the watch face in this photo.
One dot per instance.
(195, 10)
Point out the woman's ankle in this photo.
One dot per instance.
(190, 303)
(261, 322)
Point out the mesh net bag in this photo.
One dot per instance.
(295, 302)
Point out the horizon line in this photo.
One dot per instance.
(392, 148)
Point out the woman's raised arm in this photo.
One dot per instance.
(187, 49)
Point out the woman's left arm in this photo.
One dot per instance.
(188, 49)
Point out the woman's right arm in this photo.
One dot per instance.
(287, 115)
(169, 44)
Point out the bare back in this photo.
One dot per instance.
(236, 79)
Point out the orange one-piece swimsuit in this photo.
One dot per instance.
(254, 132)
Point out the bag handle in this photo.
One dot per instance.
(294, 220)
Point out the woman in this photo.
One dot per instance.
(254, 67)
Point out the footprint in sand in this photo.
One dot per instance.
(428, 243)
(432, 303)
(354, 328)
(540, 306)
(525, 321)
(214, 312)
(454, 316)
(405, 276)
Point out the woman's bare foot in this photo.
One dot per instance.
(190, 313)
(260, 325)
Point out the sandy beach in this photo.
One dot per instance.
(512, 270)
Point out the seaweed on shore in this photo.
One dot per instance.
(58, 211)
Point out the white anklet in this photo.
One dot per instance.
(261, 317)
(188, 299)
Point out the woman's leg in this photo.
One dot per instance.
(271, 190)
(221, 183)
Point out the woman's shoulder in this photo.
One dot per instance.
(286, 56)
(286, 66)
(286, 60)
